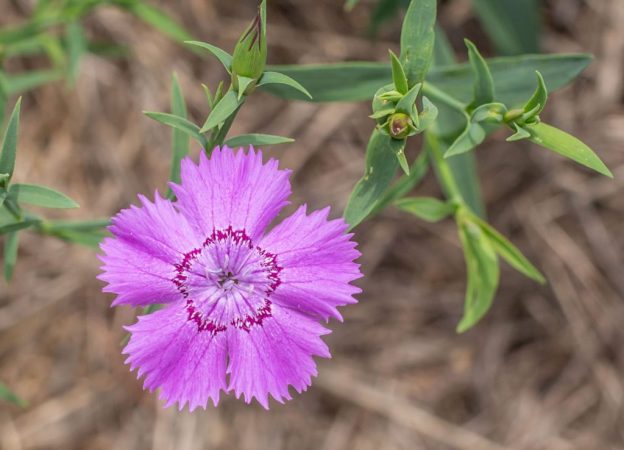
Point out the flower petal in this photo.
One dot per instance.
(316, 256)
(188, 366)
(269, 358)
(232, 189)
(139, 261)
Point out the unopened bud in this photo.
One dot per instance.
(250, 53)
(399, 125)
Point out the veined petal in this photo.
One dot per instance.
(317, 260)
(189, 366)
(268, 358)
(139, 261)
(232, 189)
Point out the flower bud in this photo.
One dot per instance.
(250, 53)
(399, 125)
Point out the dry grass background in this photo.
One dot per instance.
(543, 371)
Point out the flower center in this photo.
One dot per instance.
(227, 282)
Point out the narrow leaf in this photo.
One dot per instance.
(15, 226)
(483, 82)
(33, 194)
(11, 243)
(280, 78)
(483, 274)
(540, 96)
(398, 74)
(510, 252)
(400, 154)
(76, 47)
(222, 110)
(224, 57)
(406, 104)
(180, 138)
(9, 142)
(473, 135)
(381, 166)
(418, 39)
(427, 208)
(566, 145)
(257, 139)
(180, 123)
(158, 19)
(23, 82)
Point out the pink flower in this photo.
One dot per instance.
(242, 305)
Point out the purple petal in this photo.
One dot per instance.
(139, 262)
(269, 358)
(232, 189)
(187, 365)
(316, 256)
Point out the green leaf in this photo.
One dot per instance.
(23, 82)
(427, 208)
(283, 79)
(9, 396)
(179, 123)
(418, 39)
(242, 84)
(158, 19)
(417, 172)
(513, 25)
(257, 139)
(9, 142)
(483, 82)
(222, 111)
(180, 139)
(473, 135)
(400, 154)
(76, 48)
(483, 273)
(90, 239)
(428, 115)
(77, 225)
(33, 194)
(443, 54)
(11, 243)
(566, 145)
(357, 81)
(15, 226)
(510, 252)
(381, 166)
(520, 134)
(224, 57)
(406, 104)
(398, 74)
(539, 98)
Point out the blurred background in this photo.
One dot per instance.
(544, 370)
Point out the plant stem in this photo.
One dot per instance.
(443, 170)
(438, 94)
(219, 137)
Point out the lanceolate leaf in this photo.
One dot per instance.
(357, 81)
(257, 139)
(398, 74)
(76, 47)
(566, 145)
(15, 226)
(473, 135)
(224, 57)
(158, 19)
(509, 252)
(222, 111)
(180, 123)
(483, 273)
(40, 196)
(427, 208)
(418, 39)
(540, 96)
(180, 139)
(283, 79)
(381, 166)
(513, 25)
(9, 142)
(17, 84)
(483, 82)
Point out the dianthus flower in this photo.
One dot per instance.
(242, 304)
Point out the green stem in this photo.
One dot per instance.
(443, 170)
(219, 137)
(435, 93)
